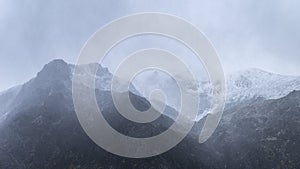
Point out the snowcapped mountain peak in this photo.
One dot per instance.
(253, 83)
(241, 86)
(103, 76)
(55, 77)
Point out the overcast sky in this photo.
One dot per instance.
(263, 34)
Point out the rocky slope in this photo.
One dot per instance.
(39, 128)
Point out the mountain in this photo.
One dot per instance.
(161, 80)
(44, 84)
(40, 129)
(158, 80)
(242, 86)
(264, 134)
(255, 83)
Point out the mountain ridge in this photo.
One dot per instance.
(243, 85)
(45, 132)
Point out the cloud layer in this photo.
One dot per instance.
(263, 34)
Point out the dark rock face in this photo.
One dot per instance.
(50, 136)
(264, 134)
(42, 131)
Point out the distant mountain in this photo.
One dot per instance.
(241, 86)
(45, 84)
(255, 83)
(39, 127)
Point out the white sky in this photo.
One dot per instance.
(263, 34)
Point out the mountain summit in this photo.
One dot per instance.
(39, 127)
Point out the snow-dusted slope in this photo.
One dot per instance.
(253, 83)
(241, 86)
(103, 77)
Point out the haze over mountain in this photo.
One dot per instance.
(241, 86)
(259, 128)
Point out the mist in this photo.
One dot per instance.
(245, 34)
